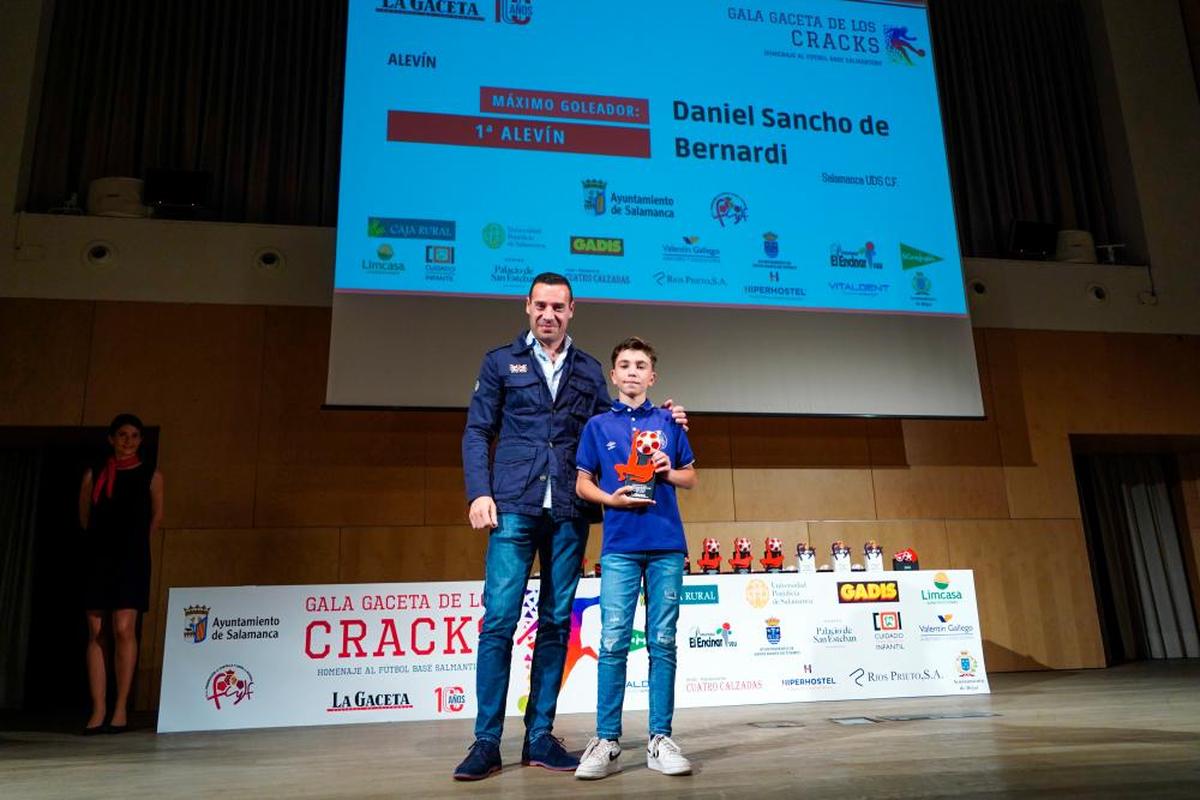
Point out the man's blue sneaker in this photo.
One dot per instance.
(482, 760)
(547, 751)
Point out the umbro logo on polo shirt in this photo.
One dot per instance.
(515, 368)
(611, 446)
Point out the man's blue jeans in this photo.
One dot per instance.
(620, 584)
(511, 547)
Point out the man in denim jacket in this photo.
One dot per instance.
(532, 399)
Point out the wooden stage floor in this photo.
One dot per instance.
(1123, 732)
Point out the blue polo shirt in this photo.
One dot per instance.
(605, 442)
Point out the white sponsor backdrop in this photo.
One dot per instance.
(264, 656)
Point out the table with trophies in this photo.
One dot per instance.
(751, 630)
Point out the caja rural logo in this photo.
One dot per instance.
(868, 592)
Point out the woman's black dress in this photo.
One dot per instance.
(117, 544)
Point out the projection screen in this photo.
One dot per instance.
(759, 190)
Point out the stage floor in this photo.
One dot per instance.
(1123, 732)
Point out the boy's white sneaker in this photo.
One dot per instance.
(599, 760)
(664, 755)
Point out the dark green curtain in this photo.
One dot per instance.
(250, 91)
(19, 472)
(1023, 131)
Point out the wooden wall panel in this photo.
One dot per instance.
(1037, 607)
(329, 467)
(1153, 383)
(445, 491)
(248, 556)
(383, 554)
(782, 442)
(44, 351)
(712, 499)
(195, 371)
(1045, 490)
(971, 443)
(265, 486)
(786, 494)
(1007, 397)
(924, 492)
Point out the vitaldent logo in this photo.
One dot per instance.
(941, 592)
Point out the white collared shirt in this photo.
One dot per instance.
(553, 371)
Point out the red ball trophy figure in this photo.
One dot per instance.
(709, 561)
(841, 556)
(772, 559)
(873, 556)
(741, 556)
(905, 560)
(638, 471)
(806, 558)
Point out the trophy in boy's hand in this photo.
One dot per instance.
(638, 471)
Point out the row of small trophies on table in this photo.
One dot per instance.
(742, 560)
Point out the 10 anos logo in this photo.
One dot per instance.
(450, 698)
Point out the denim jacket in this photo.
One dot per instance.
(535, 437)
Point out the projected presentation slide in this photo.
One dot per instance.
(783, 155)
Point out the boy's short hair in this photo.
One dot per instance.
(635, 343)
(552, 279)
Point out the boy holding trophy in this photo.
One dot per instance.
(630, 460)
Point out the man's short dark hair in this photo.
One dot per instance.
(635, 343)
(552, 279)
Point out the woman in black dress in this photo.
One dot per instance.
(120, 507)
